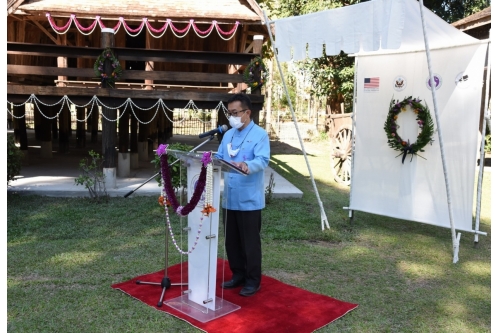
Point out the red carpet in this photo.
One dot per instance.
(276, 307)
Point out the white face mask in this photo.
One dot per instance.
(235, 122)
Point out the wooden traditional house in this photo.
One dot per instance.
(182, 52)
(477, 25)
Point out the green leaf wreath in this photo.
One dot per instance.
(115, 64)
(424, 121)
(250, 77)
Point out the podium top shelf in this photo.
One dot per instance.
(189, 158)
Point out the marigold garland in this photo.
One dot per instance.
(249, 75)
(162, 200)
(424, 121)
(115, 64)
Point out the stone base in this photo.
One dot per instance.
(134, 160)
(110, 177)
(124, 165)
(46, 149)
(142, 150)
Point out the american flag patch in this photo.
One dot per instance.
(371, 83)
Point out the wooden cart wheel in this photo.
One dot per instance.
(341, 155)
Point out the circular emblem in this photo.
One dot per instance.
(399, 83)
(462, 80)
(438, 82)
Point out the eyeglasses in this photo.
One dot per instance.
(235, 113)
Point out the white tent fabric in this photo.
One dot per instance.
(365, 27)
(388, 39)
(415, 190)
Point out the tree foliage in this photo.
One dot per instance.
(454, 10)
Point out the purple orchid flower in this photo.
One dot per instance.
(207, 158)
(162, 149)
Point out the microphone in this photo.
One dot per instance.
(221, 129)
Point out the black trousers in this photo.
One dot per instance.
(243, 245)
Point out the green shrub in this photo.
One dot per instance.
(92, 176)
(14, 159)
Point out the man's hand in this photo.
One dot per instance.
(242, 165)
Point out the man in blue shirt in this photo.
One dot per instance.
(246, 145)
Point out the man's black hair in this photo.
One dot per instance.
(243, 99)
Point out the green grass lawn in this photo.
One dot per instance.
(65, 253)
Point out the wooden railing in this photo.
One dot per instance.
(169, 85)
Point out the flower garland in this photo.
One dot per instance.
(249, 77)
(145, 23)
(424, 121)
(168, 197)
(208, 208)
(169, 190)
(115, 64)
(166, 204)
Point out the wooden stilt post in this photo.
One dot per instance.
(94, 124)
(46, 133)
(20, 134)
(123, 144)
(155, 124)
(81, 136)
(65, 115)
(37, 119)
(142, 145)
(108, 127)
(80, 128)
(53, 123)
(134, 156)
(64, 129)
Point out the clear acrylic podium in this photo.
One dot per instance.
(199, 301)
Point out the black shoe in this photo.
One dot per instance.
(249, 291)
(233, 283)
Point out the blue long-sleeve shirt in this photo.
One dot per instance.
(245, 192)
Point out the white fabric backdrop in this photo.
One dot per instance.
(364, 27)
(416, 190)
(367, 25)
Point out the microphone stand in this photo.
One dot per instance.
(165, 281)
